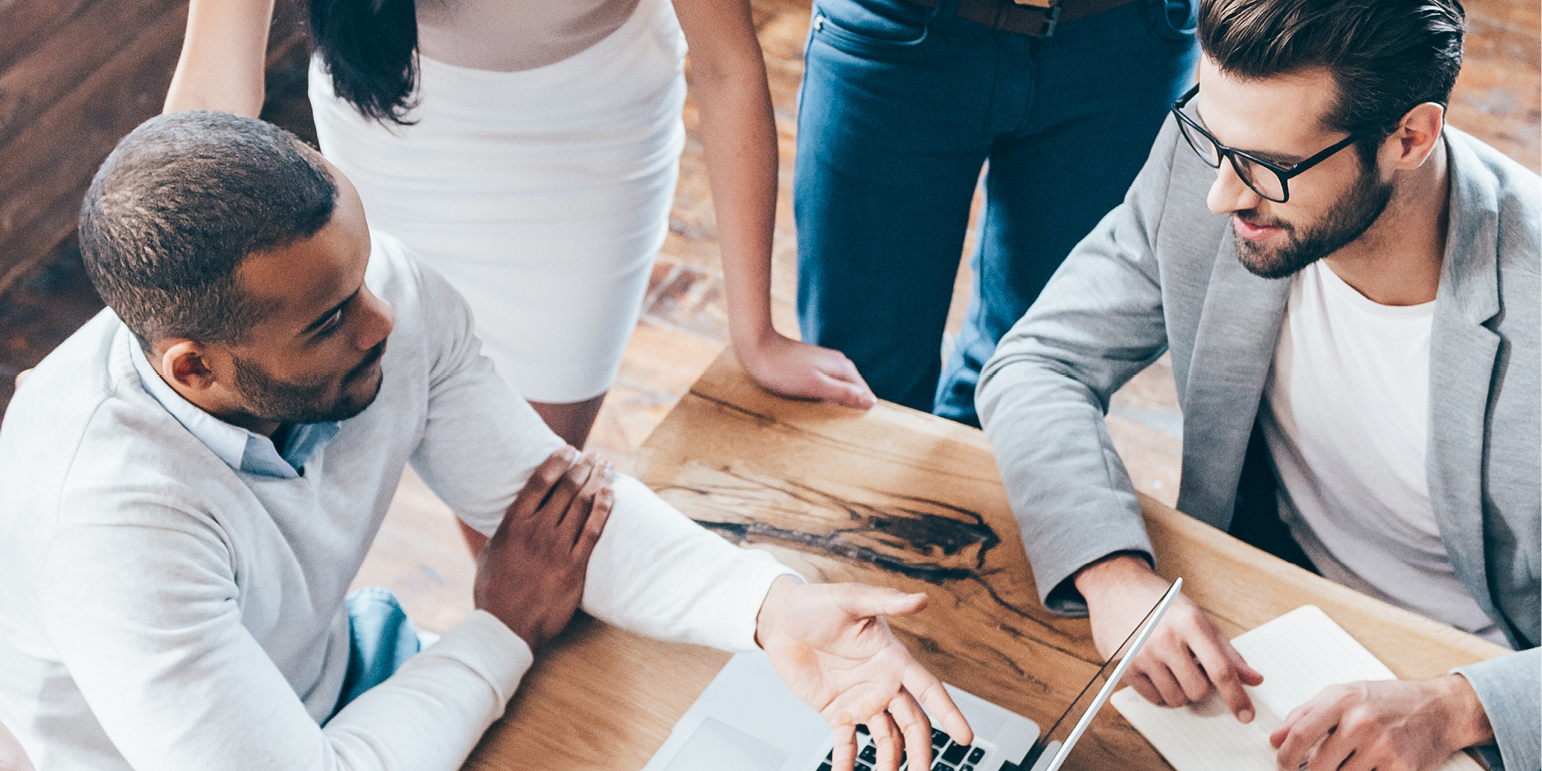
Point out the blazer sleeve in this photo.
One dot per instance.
(1042, 397)
(1510, 689)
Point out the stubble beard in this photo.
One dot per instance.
(1347, 220)
(280, 401)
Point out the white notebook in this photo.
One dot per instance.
(1299, 654)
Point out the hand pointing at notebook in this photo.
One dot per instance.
(1186, 659)
(830, 644)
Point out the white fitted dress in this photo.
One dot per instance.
(543, 195)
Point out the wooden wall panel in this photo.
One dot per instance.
(75, 76)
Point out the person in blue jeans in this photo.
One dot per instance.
(902, 105)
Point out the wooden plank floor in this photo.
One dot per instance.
(419, 554)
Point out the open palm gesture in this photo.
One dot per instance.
(830, 644)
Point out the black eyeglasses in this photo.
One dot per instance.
(1265, 178)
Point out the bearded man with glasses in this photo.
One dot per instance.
(1349, 290)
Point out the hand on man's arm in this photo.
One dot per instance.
(531, 574)
(1390, 725)
(1185, 659)
(831, 645)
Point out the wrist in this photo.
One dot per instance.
(1466, 722)
(1120, 569)
(751, 340)
(773, 606)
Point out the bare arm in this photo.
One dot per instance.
(739, 141)
(223, 57)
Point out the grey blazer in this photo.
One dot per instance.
(1159, 273)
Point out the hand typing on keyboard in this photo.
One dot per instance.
(831, 645)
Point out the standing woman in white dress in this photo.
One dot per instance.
(528, 150)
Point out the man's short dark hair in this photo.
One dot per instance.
(1386, 56)
(177, 206)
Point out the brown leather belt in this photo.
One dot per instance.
(1027, 19)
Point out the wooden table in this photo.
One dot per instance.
(900, 498)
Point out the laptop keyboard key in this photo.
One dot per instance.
(869, 754)
(941, 766)
(938, 738)
(954, 753)
(863, 767)
(824, 767)
(976, 754)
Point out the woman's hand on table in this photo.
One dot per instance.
(798, 370)
(831, 645)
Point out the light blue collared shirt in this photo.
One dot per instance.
(241, 449)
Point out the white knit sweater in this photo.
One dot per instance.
(161, 610)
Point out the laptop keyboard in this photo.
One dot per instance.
(947, 755)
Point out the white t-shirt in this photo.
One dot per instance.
(1346, 416)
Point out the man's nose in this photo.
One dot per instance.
(1229, 193)
(379, 320)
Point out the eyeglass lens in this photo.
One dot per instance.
(1262, 180)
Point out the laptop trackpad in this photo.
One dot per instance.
(715, 746)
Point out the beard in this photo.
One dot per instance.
(305, 401)
(1347, 219)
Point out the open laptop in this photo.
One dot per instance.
(747, 720)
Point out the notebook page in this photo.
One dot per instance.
(1299, 654)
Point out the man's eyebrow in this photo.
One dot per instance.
(1282, 160)
(315, 325)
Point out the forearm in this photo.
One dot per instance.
(434, 710)
(223, 57)
(657, 573)
(739, 142)
(1072, 497)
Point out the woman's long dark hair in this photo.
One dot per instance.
(369, 48)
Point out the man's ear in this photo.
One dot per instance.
(1416, 136)
(184, 363)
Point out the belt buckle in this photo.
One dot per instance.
(1051, 15)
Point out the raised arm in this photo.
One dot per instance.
(223, 57)
(728, 82)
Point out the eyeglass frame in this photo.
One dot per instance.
(1283, 173)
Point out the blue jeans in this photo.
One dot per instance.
(901, 106)
(383, 638)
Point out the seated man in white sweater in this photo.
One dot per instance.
(190, 482)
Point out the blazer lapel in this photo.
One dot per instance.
(1233, 348)
(1462, 360)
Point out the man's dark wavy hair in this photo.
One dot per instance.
(1385, 55)
(176, 207)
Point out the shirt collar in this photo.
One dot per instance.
(239, 448)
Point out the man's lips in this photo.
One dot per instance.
(1253, 232)
(369, 361)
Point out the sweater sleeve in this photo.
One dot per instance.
(1510, 689)
(654, 571)
(145, 615)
